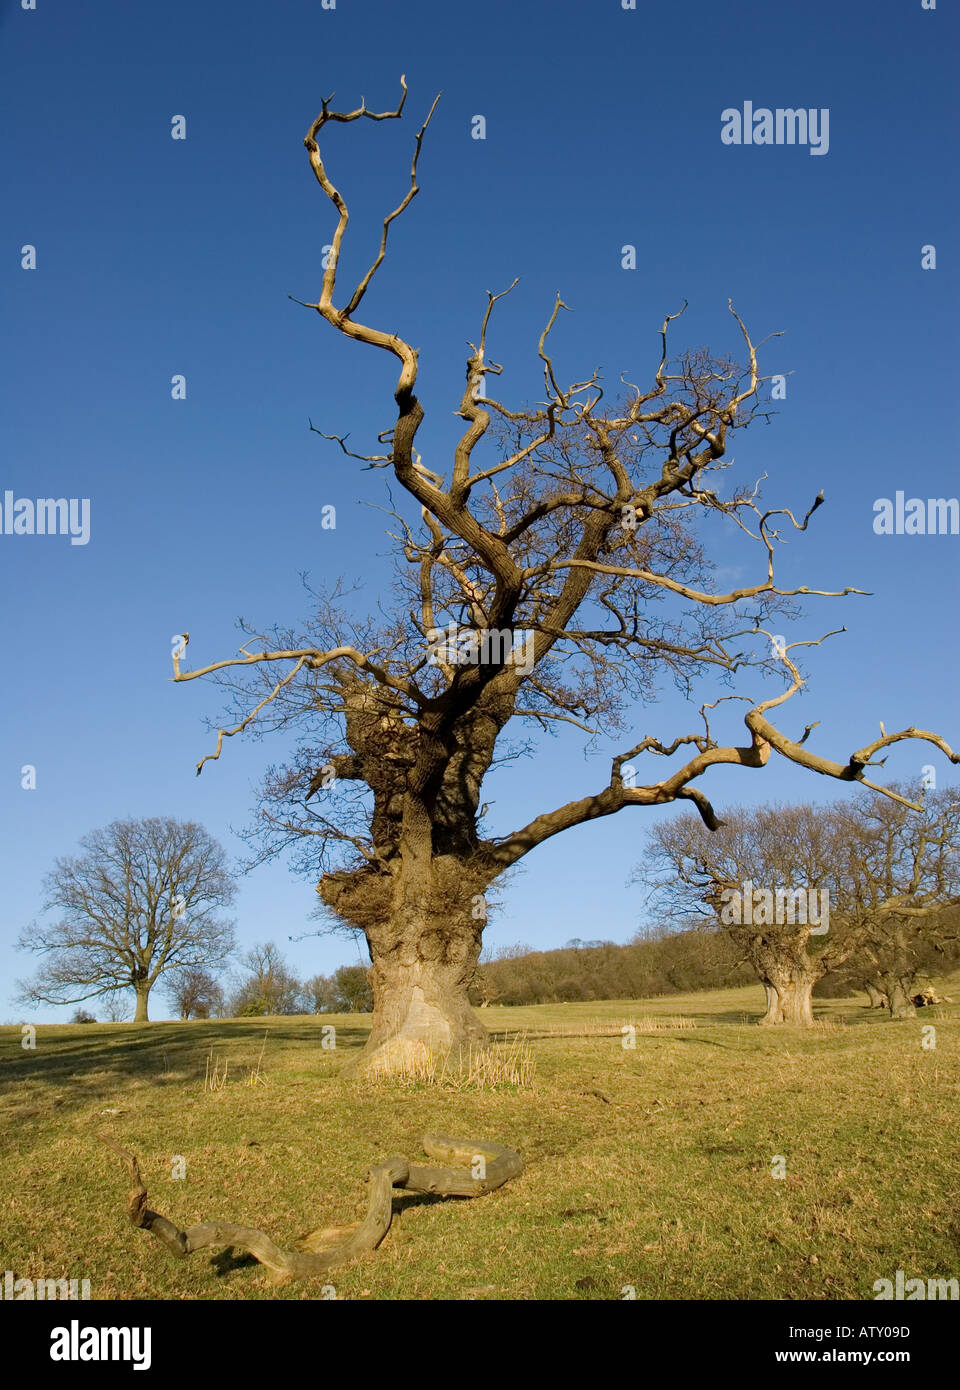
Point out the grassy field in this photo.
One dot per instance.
(648, 1167)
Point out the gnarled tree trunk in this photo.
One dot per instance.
(898, 992)
(423, 923)
(420, 1000)
(878, 1000)
(789, 997)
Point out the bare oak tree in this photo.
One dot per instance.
(267, 985)
(195, 993)
(557, 581)
(142, 900)
(901, 877)
(733, 877)
(889, 873)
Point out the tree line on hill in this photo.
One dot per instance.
(263, 985)
(659, 961)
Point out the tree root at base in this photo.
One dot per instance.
(490, 1166)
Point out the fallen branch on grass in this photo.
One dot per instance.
(490, 1166)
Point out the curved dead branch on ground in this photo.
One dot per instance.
(489, 1167)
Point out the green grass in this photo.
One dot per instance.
(648, 1167)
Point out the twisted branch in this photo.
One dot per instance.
(336, 1246)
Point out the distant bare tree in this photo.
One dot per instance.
(195, 993)
(268, 985)
(352, 992)
(346, 991)
(765, 849)
(116, 1008)
(319, 994)
(144, 898)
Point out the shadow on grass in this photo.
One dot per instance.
(154, 1051)
(548, 1032)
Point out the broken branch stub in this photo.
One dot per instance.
(490, 1166)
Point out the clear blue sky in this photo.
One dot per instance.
(158, 257)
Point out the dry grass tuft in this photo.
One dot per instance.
(255, 1076)
(215, 1076)
(480, 1069)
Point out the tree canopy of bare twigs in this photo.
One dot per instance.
(141, 902)
(862, 880)
(553, 571)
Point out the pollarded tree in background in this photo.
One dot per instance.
(560, 578)
(732, 877)
(142, 902)
(902, 873)
(804, 891)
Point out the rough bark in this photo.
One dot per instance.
(423, 924)
(877, 998)
(490, 1166)
(143, 994)
(420, 1001)
(901, 1003)
(789, 998)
